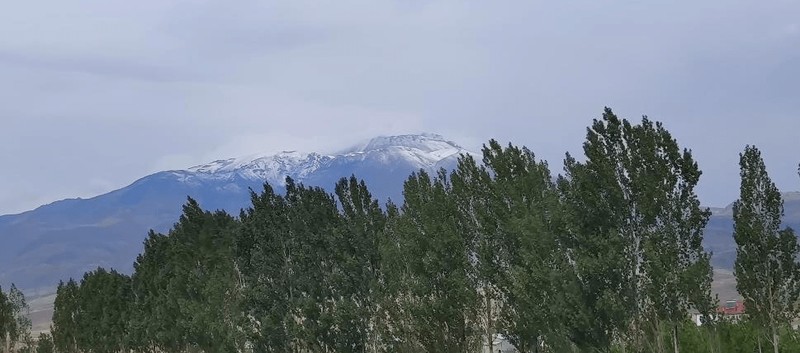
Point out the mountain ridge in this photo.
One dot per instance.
(67, 237)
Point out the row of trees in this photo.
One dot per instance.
(607, 256)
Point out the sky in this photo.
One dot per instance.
(95, 94)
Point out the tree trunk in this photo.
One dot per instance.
(675, 337)
(775, 339)
(8, 342)
(759, 344)
(489, 339)
(659, 339)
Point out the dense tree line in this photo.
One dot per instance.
(605, 257)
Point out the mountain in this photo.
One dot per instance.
(718, 236)
(66, 238)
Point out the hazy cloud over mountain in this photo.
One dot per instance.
(98, 93)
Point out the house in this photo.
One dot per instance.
(732, 310)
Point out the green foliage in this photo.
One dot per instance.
(45, 344)
(65, 327)
(605, 258)
(355, 274)
(103, 311)
(766, 268)
(263, 250)
(636, 231)
(440, 291)
(538, 299)
(185, 286)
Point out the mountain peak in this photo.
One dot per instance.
(420, 150)
(425, 142)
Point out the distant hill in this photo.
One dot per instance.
(719, 232)
(66, 238)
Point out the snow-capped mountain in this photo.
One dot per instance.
(68, 237)
(426, 151)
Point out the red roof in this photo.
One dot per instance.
(731, 307)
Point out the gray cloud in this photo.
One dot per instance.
(98, 93)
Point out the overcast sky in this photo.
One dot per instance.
(95, 94)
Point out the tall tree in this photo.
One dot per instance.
(472, 197)
(186, 287)
(286, 254)
(635, 230)
(312, 221)
(103, 299)
(154, 313)
(766, 268)
(204, 283)
(535, 279)
(676, 267)
(21, 315)
(65, 327)
(264, 258)
(356, 273)
(440, 297)
(7, 320)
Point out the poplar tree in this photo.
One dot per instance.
(20, 311)
(66, 308)
(472, 196)
(635, 231)
(537, 283)
(766, 267)
(264, 256)
(439, 298)
(356, 273)
(7, 319)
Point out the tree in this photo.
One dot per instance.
(536, 282)
(65, 327)
(472, 197)
(21, 332)
(356, 271)
(635, 231)
(104, 299)
(766, 268)
(439, 295)
(312, 221)
(7, 319)
(263, 255)
(154, 314)
(204, 283)
(186, 286)
(286, 253)
(45, 344)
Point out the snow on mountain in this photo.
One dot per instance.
(66, 238)
(423, 151)
(273, 169)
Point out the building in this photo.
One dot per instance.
(732, 310)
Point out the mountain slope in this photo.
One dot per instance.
(66, 238)
(718, 236)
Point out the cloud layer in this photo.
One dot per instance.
(97, 93)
